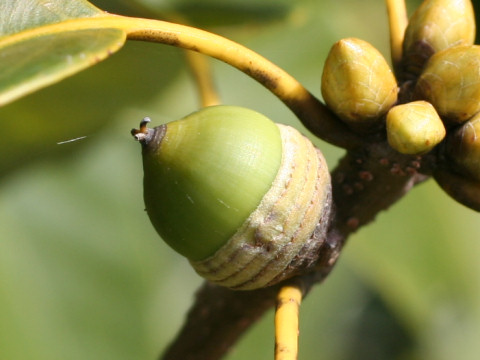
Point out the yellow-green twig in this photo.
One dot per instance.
(398, 21)
(286, 322)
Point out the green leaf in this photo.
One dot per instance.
(85, 104)
(41, 45)
(21, 15)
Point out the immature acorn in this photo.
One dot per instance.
(246, 200)
(414, 128)
(451, 83)
(436, 25)
(357, 83)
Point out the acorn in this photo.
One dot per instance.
(436, 25)
(414, 128)
(358, 84)
(463, 148)
(245, 200)
(451, 83)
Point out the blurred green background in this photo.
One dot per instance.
(83, 275)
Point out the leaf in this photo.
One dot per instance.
(40, 45)
(85, 104)
(21, 15)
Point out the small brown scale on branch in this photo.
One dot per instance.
(370, 180)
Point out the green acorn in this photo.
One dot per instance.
(436, 25)
(357, 83)
(414, 128)
(246, 200)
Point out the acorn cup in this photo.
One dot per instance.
(451, 83)
(358, 84)
(414, 128)
(436, 25)
(246, 200)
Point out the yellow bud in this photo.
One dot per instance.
(414, 128)
(451, 83)
(437, 25)
(357, 83)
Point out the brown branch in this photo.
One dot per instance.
(218, 317)
(365, 182)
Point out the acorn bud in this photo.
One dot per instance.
(357, 83)
(246, 200)
(451, 83)
(414, 128)
(436, 25)
(463, 148)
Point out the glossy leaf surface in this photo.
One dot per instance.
(40, 46)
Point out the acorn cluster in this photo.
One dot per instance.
(432, 105)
